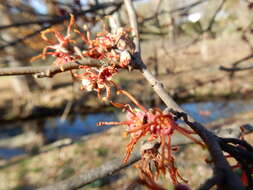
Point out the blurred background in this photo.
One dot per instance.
(48, 129)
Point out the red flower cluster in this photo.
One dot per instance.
(113, 49)
(157, 126)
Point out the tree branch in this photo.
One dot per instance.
(242, 59)
(234, 64)
(60, 19)
(210, 25)
(85, 178)
(183, 8)
(235, 69)
(239, 142)
(139, 64)
(44, 71)
(55, 21)
(222, 168)
(242, 156)
(18, 40)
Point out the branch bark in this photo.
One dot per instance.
(138, 62)
(235, 69)
(44, 71)
(222, 167)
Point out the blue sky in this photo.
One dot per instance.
(41, 8)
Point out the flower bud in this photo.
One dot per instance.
(125, 58)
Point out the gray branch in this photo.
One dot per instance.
(85, 178)
(222, 167)
(43, 71)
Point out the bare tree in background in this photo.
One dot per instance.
(19, 83)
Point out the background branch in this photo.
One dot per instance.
(19, 40)
(54, 21)
(242, 59)
(212, 21)
(59, 19)
(235, 69)
(221, 166)
(182, 9)
(85, 178)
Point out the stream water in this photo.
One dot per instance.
(75, 127)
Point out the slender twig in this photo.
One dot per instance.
(18, 40)
(180, 9)
(34, 22)
(235, 69)
(44, 71)
(222, 168)
(211, 23)
(187, 7)
(242, 59)
(56, 21)
(62, 18)
(138, 63)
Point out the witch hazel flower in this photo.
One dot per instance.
(111, 49)
(97, 79)
(62, 48)
(154, 125)
(114, 47)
